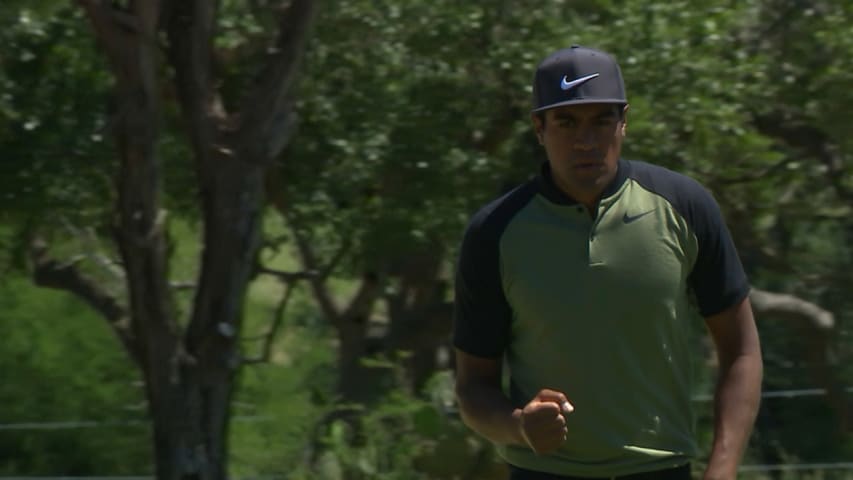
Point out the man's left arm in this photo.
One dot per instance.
(738, 390)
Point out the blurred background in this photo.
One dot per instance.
(411, 115)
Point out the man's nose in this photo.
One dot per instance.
(585, 139)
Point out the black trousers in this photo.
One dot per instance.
(677, 473)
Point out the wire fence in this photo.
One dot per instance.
(788, 467)
(84, 424)
(79, 424)
(784, 467)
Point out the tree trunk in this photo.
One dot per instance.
(189, 408)
(420, 318)
(189, 421)
(355, 380)
(189, 373)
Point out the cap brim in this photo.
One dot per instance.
(580, 101)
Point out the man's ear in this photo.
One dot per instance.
(537, 127)
(624, 127)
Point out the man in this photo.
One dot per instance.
(582, 282)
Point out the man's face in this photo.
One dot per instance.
(583, 144)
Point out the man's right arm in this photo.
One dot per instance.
(481, 333)
(486, 409)
(482, 403)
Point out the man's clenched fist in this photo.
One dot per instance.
(542, 421)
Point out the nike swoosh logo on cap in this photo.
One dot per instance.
(565, 84)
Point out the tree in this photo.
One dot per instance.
(156, 50)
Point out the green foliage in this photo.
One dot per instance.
(279, 405)
(404, 437)
(402, 139)
(64, 369)
(56, 115)
(414, 114)
(52, 120)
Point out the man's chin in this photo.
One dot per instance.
(593, 182)
(591, 178)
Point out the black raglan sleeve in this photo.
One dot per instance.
(482, 314)
(717, 279)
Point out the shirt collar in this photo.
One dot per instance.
(552, 192)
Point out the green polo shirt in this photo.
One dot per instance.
(598, 308)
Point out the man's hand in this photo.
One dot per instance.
(542, 421)
(540, 425)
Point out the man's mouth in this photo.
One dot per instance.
(588, 165)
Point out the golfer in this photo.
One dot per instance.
(575, 295)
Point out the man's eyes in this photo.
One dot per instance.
(600, 122)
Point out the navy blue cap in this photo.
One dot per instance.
(577, 75)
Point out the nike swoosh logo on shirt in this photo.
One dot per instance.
(565, 84)
(628, 219)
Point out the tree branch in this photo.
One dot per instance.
(337, 258)
(147, 16)
(747, 177)
(112, 28)
(819, 323)
(89, 241)
(318, 283)
(119, 32)
(789, 306)
(812, 141)
(182, 285)
(50, 273)
(287, 277)
(129, 38)
(189, 26)
(276, 195)
(278, 320)
(361, 304)
(266, 115)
